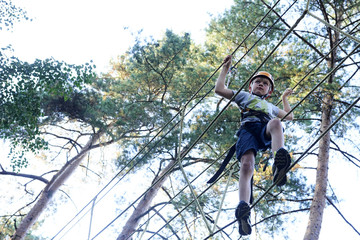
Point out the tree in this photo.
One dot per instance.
(159, 68)
(299, 52)
(211, 146)
(10, 14)
(339, 14)
(148, 87)
(27, 89)
(108, 110)
(24, 105)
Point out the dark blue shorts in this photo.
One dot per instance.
(252, 136)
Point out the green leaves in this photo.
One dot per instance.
(24, 90)
(9, 14)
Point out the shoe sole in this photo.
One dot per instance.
(281, 163)
(242, 216)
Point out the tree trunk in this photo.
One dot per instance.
(144, 205)
(49, 190)
(318, 202)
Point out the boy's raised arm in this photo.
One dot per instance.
(286, 105)
(220, 87)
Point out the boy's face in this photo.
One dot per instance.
(260, 86)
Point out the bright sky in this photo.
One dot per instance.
(78, 31)
(83, 30)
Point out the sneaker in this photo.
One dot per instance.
(242, 215)
(281, 163)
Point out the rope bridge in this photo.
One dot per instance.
(177, 123)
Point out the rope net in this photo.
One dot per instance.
(163, 217)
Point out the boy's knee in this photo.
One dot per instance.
(247, 162)
(275, 124)
(247, 167)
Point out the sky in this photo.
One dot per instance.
(83, 30)
(78, 31)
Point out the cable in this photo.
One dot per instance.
(226, 106)
(222, 111)
(342, 216)
(315, 142)
(328, 129)
(130, 162)
(193, 145)
(297, 161)
(331, 72)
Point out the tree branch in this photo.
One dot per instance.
(332, 204)
(345, 154)
(31, 176)
(296, 34)
(343, 102)
(73, 142)
(279, 214)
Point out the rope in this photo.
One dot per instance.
(223, 198)
(291, 29)
(133, 166)
(335, 28)
(204, 171)
(314, 143)
(161, 130)
(331, 72)
(321, 60)
(259, 39)
(187, 179)
(191, 202)
(295, 162)
(216, 118)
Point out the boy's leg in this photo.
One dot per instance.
(282, 158)
(246, 172)
(275, 131)
(242, 212)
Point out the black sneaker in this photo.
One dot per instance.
(281, 163)
(242, 215)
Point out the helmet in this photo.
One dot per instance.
(266, 75)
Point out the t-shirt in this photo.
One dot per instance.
(246, 100)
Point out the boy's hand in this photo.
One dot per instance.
(227, 61)
(286, 105)
(287, 92)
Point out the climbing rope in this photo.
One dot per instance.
(297, 161)
(96, 199)
(325, 132)
(130, 163)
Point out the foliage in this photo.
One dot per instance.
(150, 84)
(296, 57)
(153, 82)
(7, 229)
(25, 87)
(9, 14)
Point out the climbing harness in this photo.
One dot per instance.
(245, 113)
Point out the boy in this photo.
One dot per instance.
(260, 129)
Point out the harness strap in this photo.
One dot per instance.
(224, 163)
(264, 118)
(247, 112)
